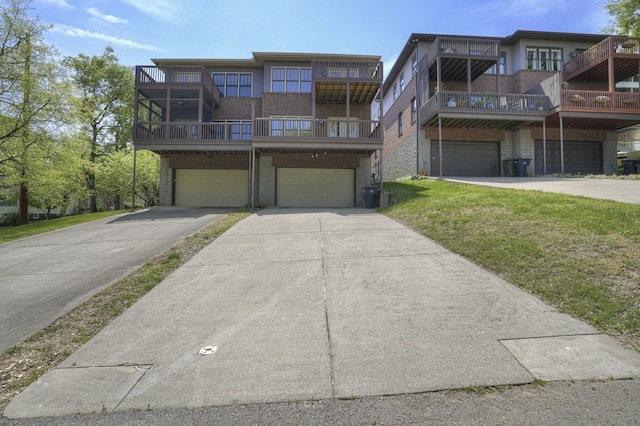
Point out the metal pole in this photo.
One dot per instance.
(440, 142)
(133, 190)
(561, 147)
(544, 145)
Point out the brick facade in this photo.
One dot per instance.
(209, 160)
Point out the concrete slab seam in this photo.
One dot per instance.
(326, 312)
(139, 368)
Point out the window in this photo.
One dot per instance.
(343, 72)
(400, 124)
(395, 91)
(338, 128)
(414, 63)
(414, 110)
(241, 131)
(188, 77)
(291, 126)
(401, 82)
(234, 85)
(305, 80)
(291, 80)
(502, 63)
(245, 85)
(544, 58)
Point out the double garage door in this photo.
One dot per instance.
(315, 187)
(466, 158)
(211, 188)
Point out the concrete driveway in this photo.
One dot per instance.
(624, 191)
(306, 304)
(45, 276)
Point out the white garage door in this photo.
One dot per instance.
(211, 188)
(315, 187)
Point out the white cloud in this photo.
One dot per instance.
(95, 12)
(78, 32)
(161, 9)
(60, 3)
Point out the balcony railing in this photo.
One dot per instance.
(186, 76)
(485, 103)
(600, 101)
(319, 130)
(344, 70)
(219, 132)
(618, 46)
(454, 46)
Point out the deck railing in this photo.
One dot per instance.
(600, 101)
(186, 75)
(263, 129)
(159, 132)
(462, 46)
(486, 103)
(344, 70)
(301, 129)
(619, 46)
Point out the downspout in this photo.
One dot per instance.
(561, 146)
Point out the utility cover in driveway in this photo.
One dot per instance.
(315, 187)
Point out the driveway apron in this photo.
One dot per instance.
(302, 304)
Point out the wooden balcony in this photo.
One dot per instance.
(600, 102)
(475, 109)
(332, 78)
(300, 133)
(593, 64)
(228, 135)
(459, 54)
(186, 77)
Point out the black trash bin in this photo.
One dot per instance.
(370, 197)
(630, 167)
(521, 166)
(509, 168)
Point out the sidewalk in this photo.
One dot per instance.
(307, 304)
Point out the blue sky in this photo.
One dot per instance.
(139, 30)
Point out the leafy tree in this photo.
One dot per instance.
(29, 95)
(114, 173)
(103, 107)
(56, 178)
(625, 17)
(148, 177)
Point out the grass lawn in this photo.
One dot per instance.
(578, 254)
(10, 233)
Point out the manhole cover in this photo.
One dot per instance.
(208, 350)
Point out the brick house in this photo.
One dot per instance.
(283, 129)
(468, 106)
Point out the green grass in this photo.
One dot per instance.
(10, 233)
(578, 254)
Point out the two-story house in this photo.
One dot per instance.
(467, 106)
(283, 129)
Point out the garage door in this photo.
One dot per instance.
(315, 187)
(211, 188)
(466, 158)
(579, 157)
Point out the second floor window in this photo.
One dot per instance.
(544, 58)
(291, 80)
(502, 63)
(400, 124)
(414, 110)
(234, 85)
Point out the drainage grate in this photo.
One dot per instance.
(208, 350)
